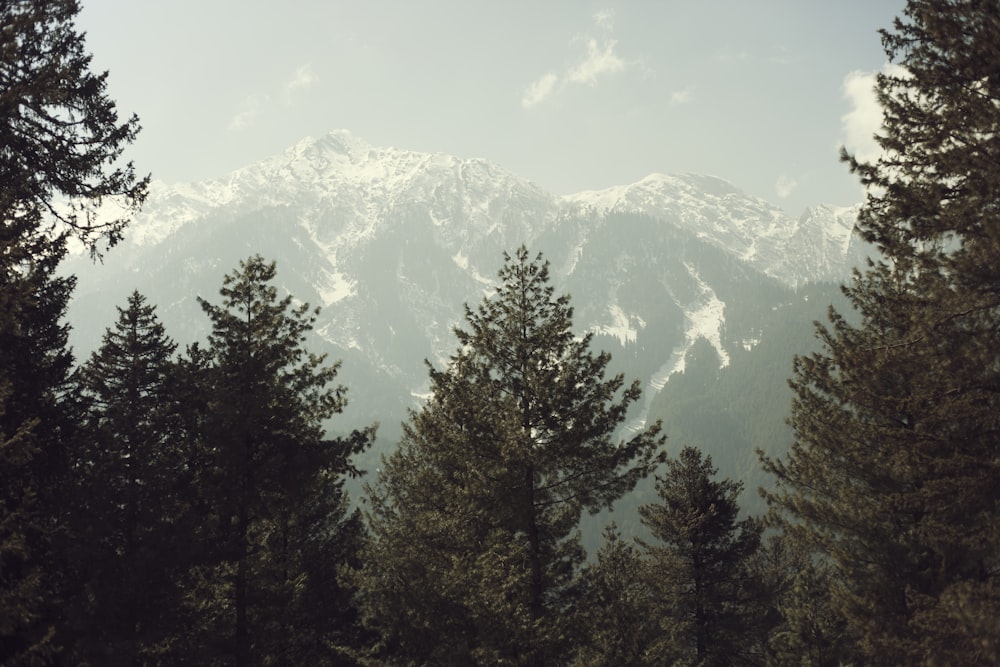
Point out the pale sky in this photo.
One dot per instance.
(572, 95)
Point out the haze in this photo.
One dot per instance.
(570, 95)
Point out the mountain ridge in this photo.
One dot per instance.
(346, 177)
(392, 244)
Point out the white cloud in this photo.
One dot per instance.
(859, 125)
(251, 108)
(605, 19)
(254, 105)
(303, 78)
(599, 61)
(537, 92)
(785, 186)
(679, 97)
(864, 120)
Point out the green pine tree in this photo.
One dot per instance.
(26, 636)
(271, 470)
(701, 565)
(893, 472)
(617, 609)
(810, 633)
(34, 371)
(131, 472)
(473, 519)
(60, 140)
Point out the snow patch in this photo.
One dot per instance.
(707, 320)
(329, 333)
(623, 327)
(704, 318)
(336, 288)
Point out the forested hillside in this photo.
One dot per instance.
(734, 411)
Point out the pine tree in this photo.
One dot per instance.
(61, 133)
(131, 473)
(60, 140)
(811, 633)
(34, 371)
(25, 637)
(893, 472)
(701, 564)
(617, 609)
(473, 550)
(271, 465)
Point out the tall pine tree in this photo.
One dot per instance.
(617, 609)
(60, 142)
(700, 565)
(273, 482)
(131, 471)
(473, 550)
(894, 473)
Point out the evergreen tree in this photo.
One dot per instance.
(617, 610)
(894, 471)
(25, 637)
(61, 133)
(60, 139)
(274, 477)
(810, 633)
(131, 472)
(34, 371)
(701, 564)
(473, 549)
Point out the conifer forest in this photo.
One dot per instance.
(191, 504)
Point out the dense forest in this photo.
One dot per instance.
(188, 506)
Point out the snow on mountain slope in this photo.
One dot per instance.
(344, 189)
(813, 248)
(392, 243)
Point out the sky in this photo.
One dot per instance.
(569, 94)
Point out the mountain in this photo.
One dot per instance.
(392, 243)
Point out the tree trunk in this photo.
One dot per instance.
(242, 632)
(536, 605)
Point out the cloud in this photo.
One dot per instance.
(537, 92)
(599, 61)
(785, 186)
(864, 119)
(605, 19)
(302, 79)
(255, 105)
(679, 97)
(859, 125)
(251, 108)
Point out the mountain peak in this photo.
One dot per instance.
(340, 183)
(337, 144)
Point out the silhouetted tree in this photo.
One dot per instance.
(131, 473)
(60, 140)
(701, 565)
(473, 547)
(893, 475)
(274, 480)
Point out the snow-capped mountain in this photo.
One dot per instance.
(392, 243)
(815, 247)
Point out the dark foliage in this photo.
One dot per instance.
(60, 140)
(894, 475)
(473, 550)
(701, 565)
